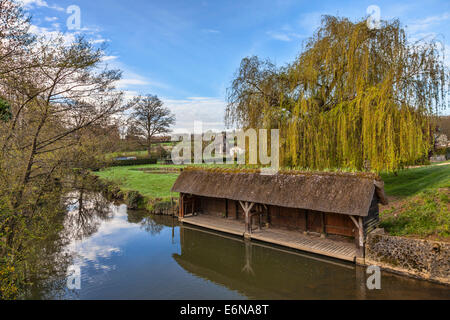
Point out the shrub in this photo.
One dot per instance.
(442, 151)
(5, 111)
(133, 199)
(113, 192)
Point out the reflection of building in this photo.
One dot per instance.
(288, 207)
(261, 272)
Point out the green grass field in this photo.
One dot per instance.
(150, 185)
(147, 184)
(413, 181)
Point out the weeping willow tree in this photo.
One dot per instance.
(354, 98)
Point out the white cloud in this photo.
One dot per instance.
(425, 30)
(109, 58)
(286, 33)
(279, 36)
(210, 111)
(51, 19)
(40, 3)
(424, 24)
(131, 81)
(130, 94)
(100, 40)
(284, 36)
(125, 83)
(211, 31)
(52, 34)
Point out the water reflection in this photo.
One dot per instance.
(85, 212)
(260, 271)
(125, 254)
(150, 223)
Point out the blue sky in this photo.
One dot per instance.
(186, 52)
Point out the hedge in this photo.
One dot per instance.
(137, 162)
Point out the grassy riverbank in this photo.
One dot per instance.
(419, 197)
(419, 202)
(134, 178)
(410, 182)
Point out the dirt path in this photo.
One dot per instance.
(430, 165)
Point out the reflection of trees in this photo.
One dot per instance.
(151, 226)
(46, 261)
(49, 265)
(136, 216)
(86, 209)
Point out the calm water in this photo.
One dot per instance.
(125, 255)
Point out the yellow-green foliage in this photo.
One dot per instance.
(8, 287)
(354, 98)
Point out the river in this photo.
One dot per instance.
(124, 254)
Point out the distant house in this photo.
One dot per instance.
(441, 141)
(294, 204)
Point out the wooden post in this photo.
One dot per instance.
(306, 222)
(226, 208)
(260, 217)
(181, 209)
(324, 226)
(362, 239)
(247, 207)
(359, 238)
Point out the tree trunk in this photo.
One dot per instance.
(149, 146)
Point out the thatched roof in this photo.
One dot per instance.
(344, 193)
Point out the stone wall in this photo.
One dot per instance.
(420, 258)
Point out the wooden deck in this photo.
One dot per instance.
(292, 239)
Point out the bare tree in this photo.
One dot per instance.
(57, 100)
(151, 118)
(15, 37)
